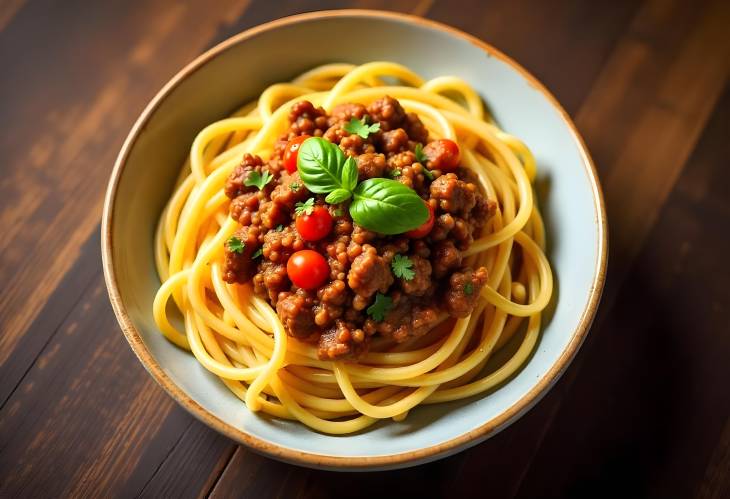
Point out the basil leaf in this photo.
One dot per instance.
(349, 173)
(337, 196)
(320, 164)
(387, 206)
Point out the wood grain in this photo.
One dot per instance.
(84, 123)
(643, 411)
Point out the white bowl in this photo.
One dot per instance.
(236, 71)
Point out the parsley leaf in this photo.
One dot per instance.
(380, 307)
(420, 155)
(304, 208)
(468, 288)
(257, 253)
(422, 158)
(255, 178)
(360, 128)
(279, 228)
(403, 267)
(427, 173)
(395, 173)
(294, 186)
(236, 245)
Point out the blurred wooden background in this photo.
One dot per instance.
(642, 412)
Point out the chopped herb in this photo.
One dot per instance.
(422, 158)
(279, 228)
(236, 245)
(380, 307)
(339, 212)
(468, 288)
(403, 267)
(395, 173)
(361, 128)
(420, 155)
(294, 186)
(304, 208)
(255, 178)
(257, 253)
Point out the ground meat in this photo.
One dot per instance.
(406, 320)
(393, 247)
(445, 257)
(336, 313)
(354, 145)
(368, 274)
(421, 281)
(343, 340)
(401, 160)
(307, 120)
(271, 214)
(461, 233)
(271, 280)
(280, 244)
(361, 235)
(290, 191)
(416, 130)
(343, 113)
(463, 291)
(483, 211)
(244, 206)
(370, 165)
(235, 182)
(454, 195)
(239, 266)
(394, 141)
(412, 176)
(388, 112)
(295, 312)
(332, 298)
(442, 226)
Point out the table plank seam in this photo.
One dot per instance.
(164, 459)
(50, 338)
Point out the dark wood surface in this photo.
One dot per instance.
(642, 412)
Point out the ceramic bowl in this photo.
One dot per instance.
(236, 71)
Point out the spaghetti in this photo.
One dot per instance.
(237, 335)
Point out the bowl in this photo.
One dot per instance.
(235, 71)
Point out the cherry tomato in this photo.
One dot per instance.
(315, 226)
(443, 154)
(307, 269)
(292, 151)
(425, 227)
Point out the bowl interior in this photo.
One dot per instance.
(239, 73)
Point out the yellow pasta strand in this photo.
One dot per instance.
(238, 336)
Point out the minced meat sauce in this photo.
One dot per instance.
(335, 315)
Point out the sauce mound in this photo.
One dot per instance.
(398, 286)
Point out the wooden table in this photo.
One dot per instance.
(644, 409)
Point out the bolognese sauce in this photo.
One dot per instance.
(333, 281)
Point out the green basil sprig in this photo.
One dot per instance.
(387, 206)
(323, 168)
(379, 204)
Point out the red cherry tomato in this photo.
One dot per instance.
(307, 269)
(292, 151)
(425, 227)
(315, 226)
(443, 154)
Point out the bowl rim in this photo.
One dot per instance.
(295, 456)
